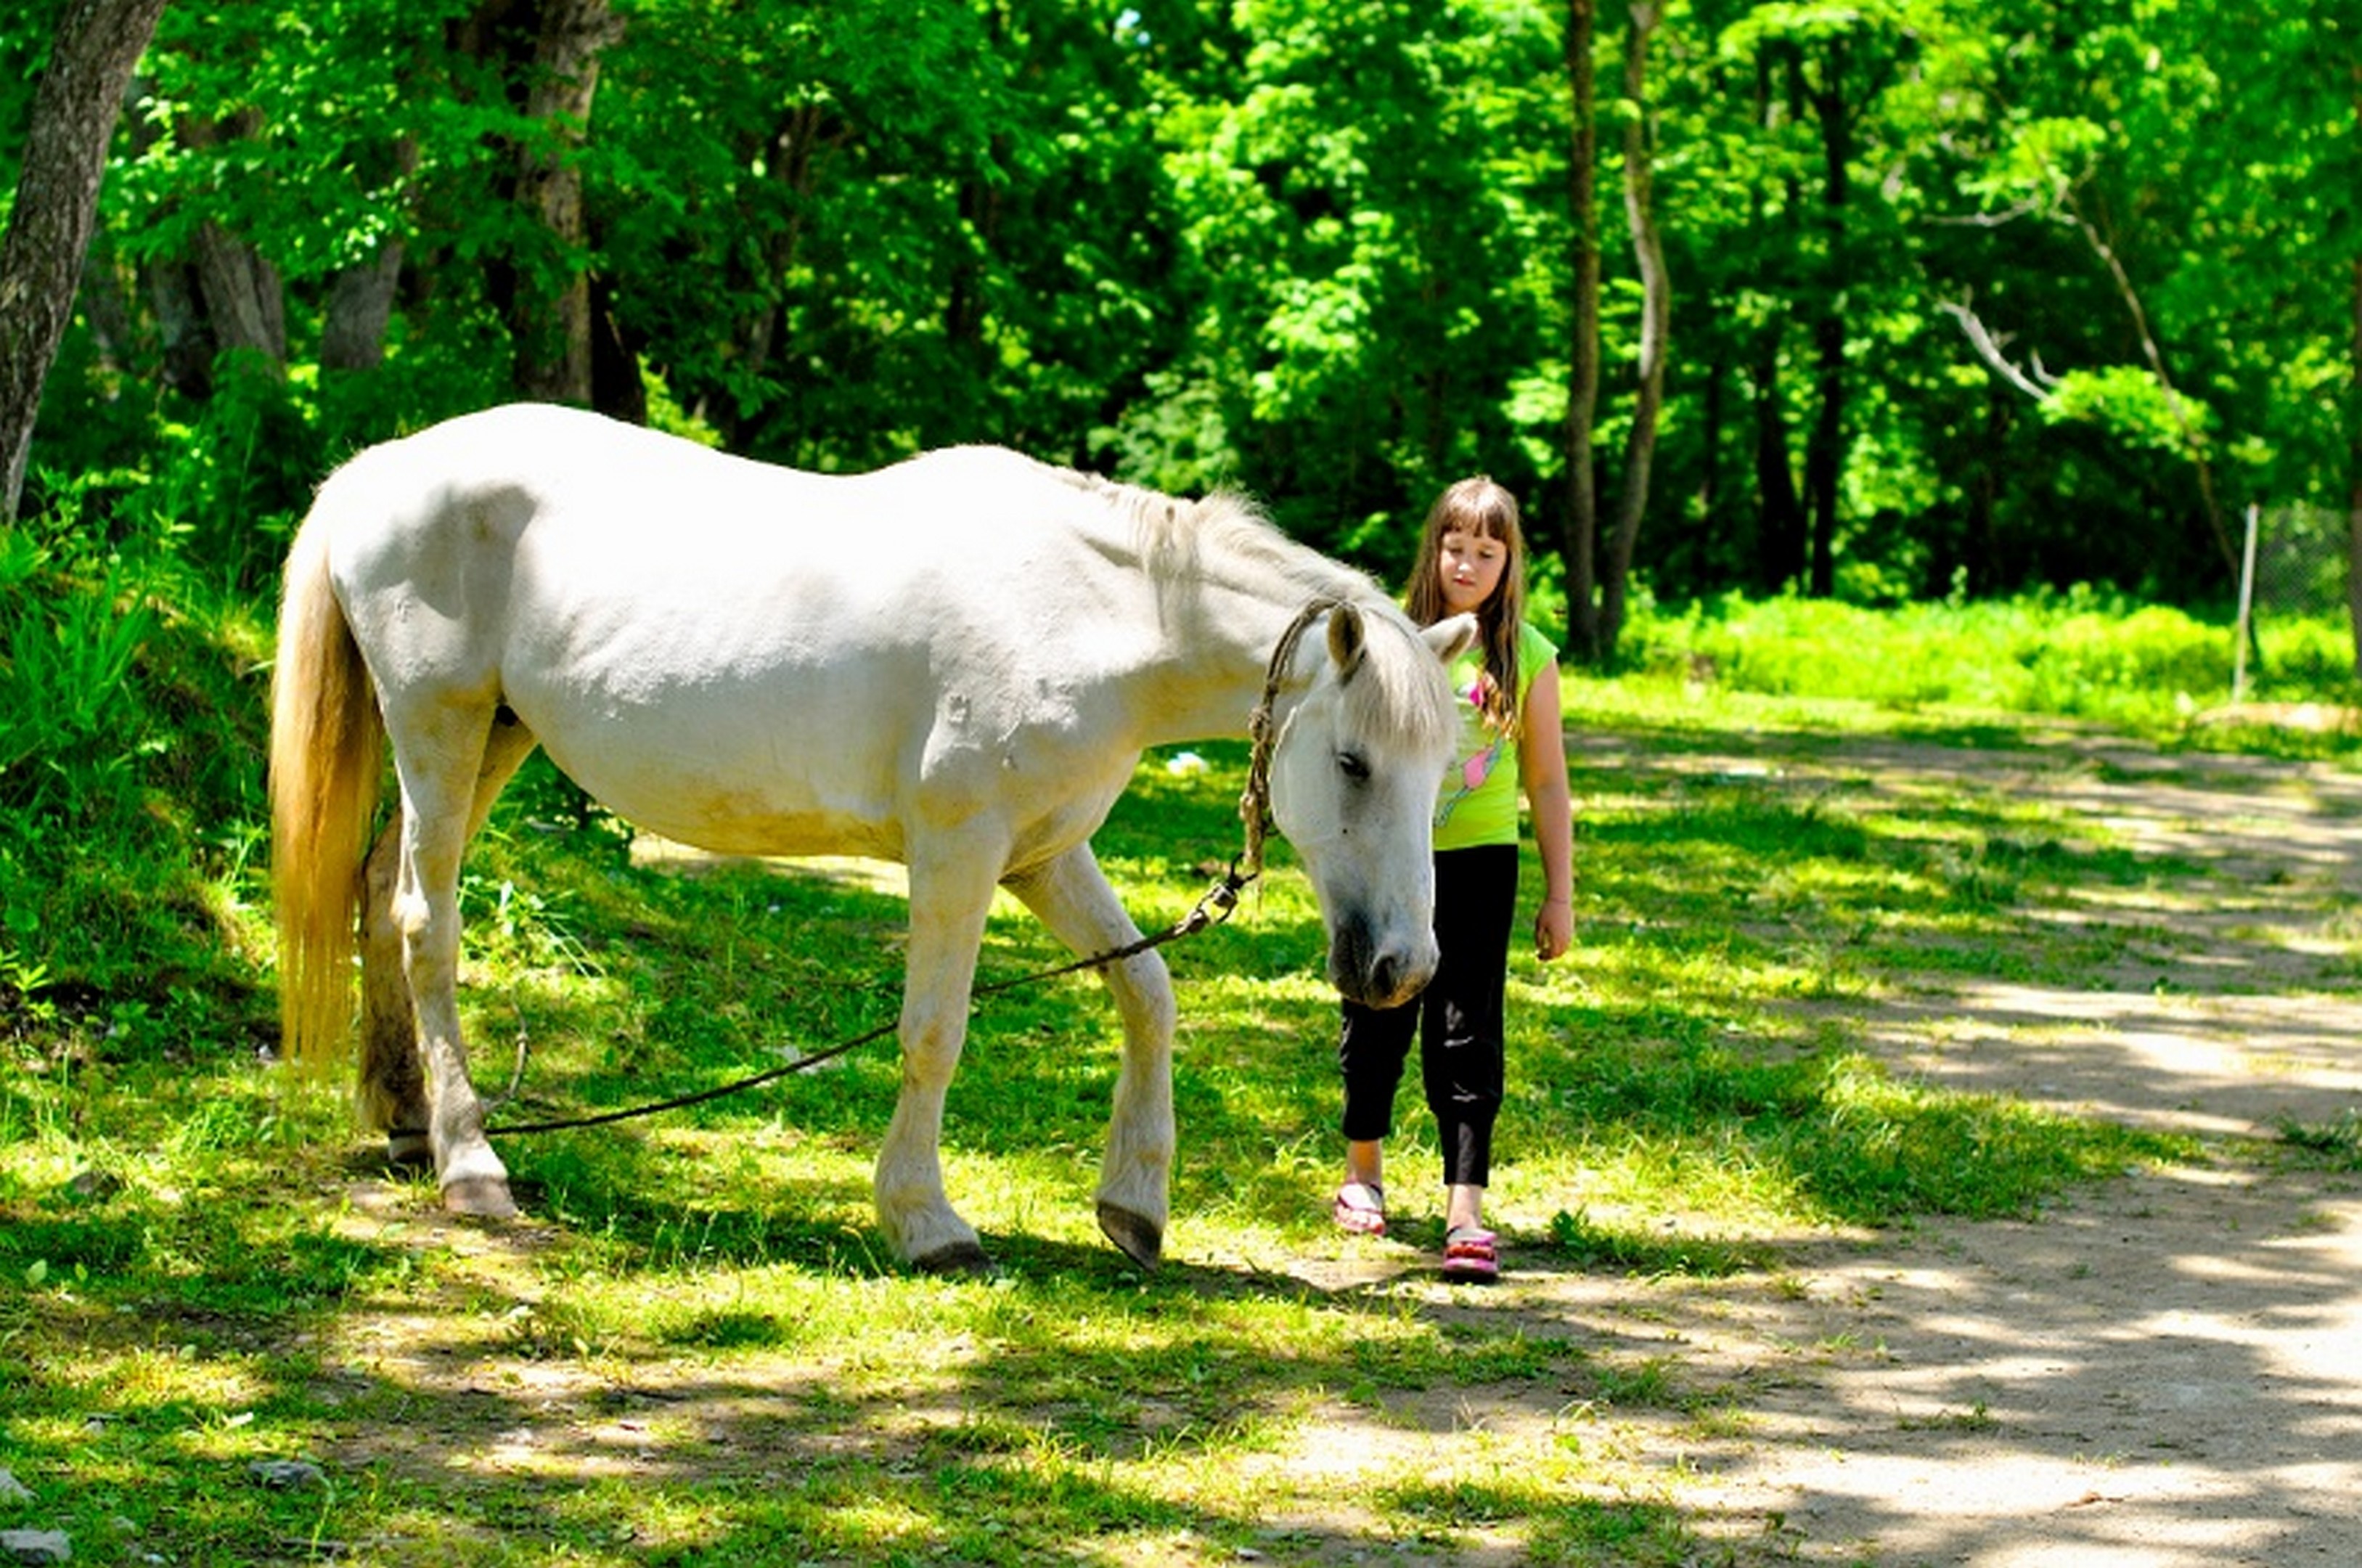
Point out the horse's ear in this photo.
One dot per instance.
(1346, 641)
(1451, 636)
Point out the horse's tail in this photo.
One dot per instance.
(326, 747)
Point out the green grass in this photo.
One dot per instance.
(697, 1349)
(700, 1347)
(2152, 669)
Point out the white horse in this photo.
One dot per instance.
(954, 662)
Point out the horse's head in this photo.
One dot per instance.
(1354, 779)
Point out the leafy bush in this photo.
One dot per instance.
(67, 640)
(131, 726)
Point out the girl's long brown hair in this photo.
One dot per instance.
(1481, 507)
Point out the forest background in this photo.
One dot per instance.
(1886, 300)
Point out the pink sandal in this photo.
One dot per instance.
(1361, 1207)
(1472, 1253)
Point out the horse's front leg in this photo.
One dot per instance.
(949, 903)
(1072, 897)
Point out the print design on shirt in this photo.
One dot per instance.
(1477, 768)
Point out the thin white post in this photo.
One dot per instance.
(2247, 611)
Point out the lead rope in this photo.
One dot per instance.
(1262, 734)
(1213, 908)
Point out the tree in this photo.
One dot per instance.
(1333, 256)
(360, 307)
(551, 313)
(1831, 63)
(1656, 325)
(97, 44)
(2171, 197)
(1579, 539)
(1599, 572)
(1378, 280)
(536, 64)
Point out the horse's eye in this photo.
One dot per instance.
(1353, 765)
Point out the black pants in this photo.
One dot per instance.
(1457, 1018)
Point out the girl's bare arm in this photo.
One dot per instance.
(1541, 759)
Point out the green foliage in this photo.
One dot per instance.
(2126, 402)
(1373, 289)
(66, 645)
(232, 485)
(1320, 256)
(129, 762)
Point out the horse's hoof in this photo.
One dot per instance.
(1139, 1237)
(408, 1151)
(960, 1257)
(484, 1198)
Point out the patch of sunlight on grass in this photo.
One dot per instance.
(145, 1377)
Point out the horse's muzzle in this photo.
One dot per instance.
(1379, 973)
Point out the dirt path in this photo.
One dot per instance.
(2164, 1370)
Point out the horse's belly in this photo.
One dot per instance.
(745, 789)
(745, 822)
(773, 834)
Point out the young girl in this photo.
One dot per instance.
(1471, 561)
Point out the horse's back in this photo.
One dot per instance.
(602, 490)
(729, 652)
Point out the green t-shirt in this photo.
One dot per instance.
(1478, 801)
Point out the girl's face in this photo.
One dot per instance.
(1469, 567)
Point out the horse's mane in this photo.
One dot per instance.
(1226, 534)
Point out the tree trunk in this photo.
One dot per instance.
(806, 136)
(245, 305)
(1578, 540)
(1780, 516)
(107, 303)
(1709, 487)
(2354, 472)
(360, 297)
(181, 336)
(1656, 323)
(550, 319)
(75, 104)
(616, 389)
(1977, 556)
(966, 308)
(244, 300)
(1825, 449)
(807, 139)
(360, 311)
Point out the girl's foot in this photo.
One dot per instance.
(1472, 1253)
(1361, 1207)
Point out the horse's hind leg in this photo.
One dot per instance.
(393, 1085)
(1072, 897)
(446, 755)
(392, 1080)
